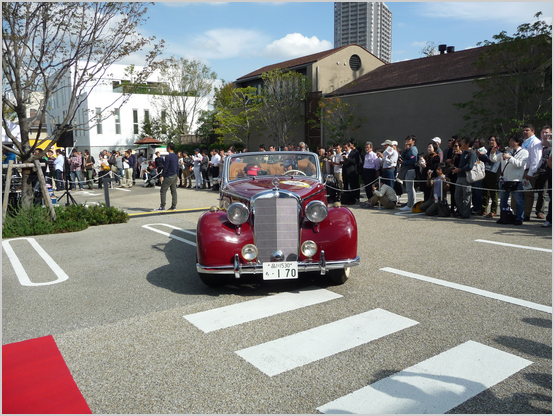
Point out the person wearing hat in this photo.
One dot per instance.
(438, 140)
(389, 159)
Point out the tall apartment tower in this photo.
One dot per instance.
(367, 24)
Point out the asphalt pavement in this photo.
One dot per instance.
(123, 299)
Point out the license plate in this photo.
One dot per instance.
(280, 270)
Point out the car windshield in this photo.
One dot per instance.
(244, 165)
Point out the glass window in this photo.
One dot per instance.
(117, 121)
(98, 120)
(135, 122)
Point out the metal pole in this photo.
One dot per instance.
(379, 200)
(105, 182)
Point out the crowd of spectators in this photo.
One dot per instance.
(520, 170)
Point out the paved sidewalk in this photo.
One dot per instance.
(138, 199)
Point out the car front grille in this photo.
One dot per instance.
(276, 228)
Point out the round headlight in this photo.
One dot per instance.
(237, 213)
(316, 211)
(249, 252)
(309, 248)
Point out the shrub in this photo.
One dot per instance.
(36, 220)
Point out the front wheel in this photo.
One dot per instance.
(339, 276)
(213, 280)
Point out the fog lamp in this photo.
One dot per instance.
(249, 252)
(309, 248)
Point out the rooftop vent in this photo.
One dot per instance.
(442, 49)
(450, 49)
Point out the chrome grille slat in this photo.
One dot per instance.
(276, 227)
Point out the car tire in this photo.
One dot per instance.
(339, 276)
(212, 280)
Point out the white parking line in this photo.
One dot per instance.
(149, 227)
(435, 385)
(227, 316)
(299, 349)
(473, 290)
(515, 245)
(20, 271)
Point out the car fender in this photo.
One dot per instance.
(217, 240)
(337, 235)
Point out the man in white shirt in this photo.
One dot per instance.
(389, 160)
(534, 147)
(511, 178)
(59, 170)
(214, 163)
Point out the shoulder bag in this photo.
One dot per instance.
(477, 172)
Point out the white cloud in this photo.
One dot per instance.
(419, 44)
(224, 43)
(294, 45)
(508, 12)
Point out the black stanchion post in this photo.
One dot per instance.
(105, 182)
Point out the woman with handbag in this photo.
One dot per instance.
(511, 180)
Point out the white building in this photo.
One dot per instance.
(105, 119)
(366, 24)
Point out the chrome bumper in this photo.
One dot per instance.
(239, 269)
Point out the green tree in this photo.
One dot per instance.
(280, 103)
(519, 87)
(48, 46)
(223, 96)
(184, 91)
(236, 121)
(337, 119)
(207, 125)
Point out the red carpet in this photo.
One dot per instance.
(35, 379)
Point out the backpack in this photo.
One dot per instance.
(111, 160)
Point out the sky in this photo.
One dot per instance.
(236, 38)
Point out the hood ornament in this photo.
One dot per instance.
(275, 182)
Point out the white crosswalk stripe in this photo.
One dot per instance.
(435, 385)
(305, 347)
(227, 316)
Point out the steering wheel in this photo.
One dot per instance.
(294, 170)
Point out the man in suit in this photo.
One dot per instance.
(350, 170)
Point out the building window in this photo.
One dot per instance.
(355, 62)
(135, 122)
(146, 116)
(98, 120)
(117, 121)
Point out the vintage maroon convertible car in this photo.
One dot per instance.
(273, 220)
